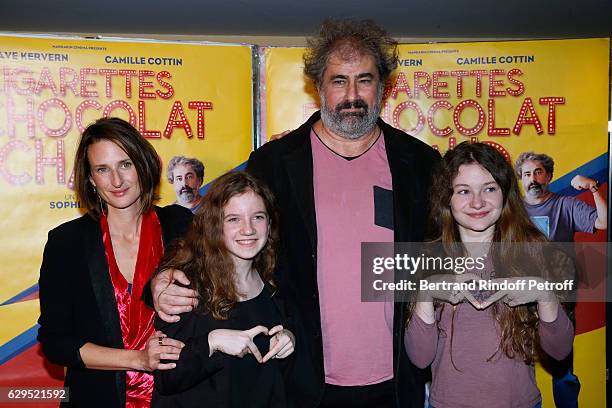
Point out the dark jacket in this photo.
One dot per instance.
(200, 380)
(286, 166)
(77, 304)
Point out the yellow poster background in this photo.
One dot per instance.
(576, 70)
(50, 88)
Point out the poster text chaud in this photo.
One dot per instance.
(42, 108)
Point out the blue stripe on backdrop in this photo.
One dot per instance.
(21, 295)
(19, 344)
(596, 169)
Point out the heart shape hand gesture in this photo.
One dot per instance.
(239, 343)
(442, 287)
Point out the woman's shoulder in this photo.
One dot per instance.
(68, 240)
(70, 228)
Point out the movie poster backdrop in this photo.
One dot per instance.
(196, 100)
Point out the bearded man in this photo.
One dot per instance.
(186, 175)
(342, 178)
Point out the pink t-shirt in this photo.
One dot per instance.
(351, 198)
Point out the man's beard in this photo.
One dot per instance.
(351, 125)
(536, 189)
(187, 194)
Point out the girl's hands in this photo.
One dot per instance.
(282, 343)
(236, 343)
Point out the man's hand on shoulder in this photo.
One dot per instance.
(170, 299)
(280, 135)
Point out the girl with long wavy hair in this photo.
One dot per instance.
(236, 339)
(482, 345)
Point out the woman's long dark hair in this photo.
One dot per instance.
(203, 256)
(517, 325)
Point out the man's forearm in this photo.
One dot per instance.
(602, 211)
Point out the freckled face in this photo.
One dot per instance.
(245, 226)
(114, 175)
(477, 201)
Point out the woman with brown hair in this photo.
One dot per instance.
(482, 350)
(237, 337)
(92, 318)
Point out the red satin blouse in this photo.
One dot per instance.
(136, 318)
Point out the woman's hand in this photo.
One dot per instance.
(160, 347)
(282, 343)
(236, 343)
